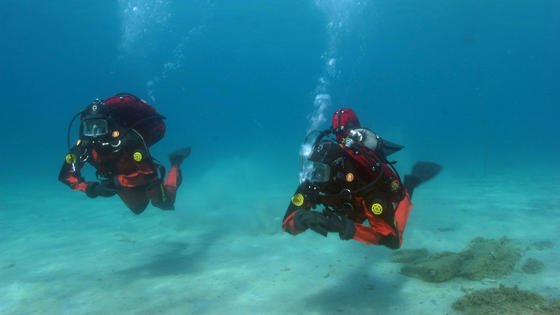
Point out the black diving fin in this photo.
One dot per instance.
(425, 170)
(389, 147)
(177, 157)
(421, 172)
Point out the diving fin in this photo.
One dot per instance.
(389, 147)
(177, 157)
(421, 172)
(425, 170)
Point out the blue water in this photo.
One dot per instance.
(454, 78)
(472, 85)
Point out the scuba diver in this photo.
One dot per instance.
(115, 136)
(347, 172)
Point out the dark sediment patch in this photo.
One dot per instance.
(435, 268)
(503, 300)
(483, 258)
(541, 245)
(532, 266)
(487, 258)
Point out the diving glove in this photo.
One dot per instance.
(306, 219)
(323, 223)
(104, 189)
(341, 224)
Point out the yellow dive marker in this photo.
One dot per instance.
(377, 208)
(298, 200)
(137, 156)
(349, 177)
(71, 158)
(79, 141)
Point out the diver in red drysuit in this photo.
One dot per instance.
(362, 195)
(115, 136)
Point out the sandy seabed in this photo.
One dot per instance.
(222, 251)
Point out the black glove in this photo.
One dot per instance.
(336, 223)
(103, 189)
(305, 219)
(325, 222)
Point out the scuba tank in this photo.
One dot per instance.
(130, 113)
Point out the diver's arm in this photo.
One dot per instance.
(300, 203)
(371, 235)
(70, 175)
(299, 216)
(381, 232)
(70, 171)
(133, 143)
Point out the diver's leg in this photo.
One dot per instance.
(410, 183)
(163, 194)
(135, 200)
(387, 226)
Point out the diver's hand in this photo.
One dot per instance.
(325, 222)
(104, 189)
(341, 224)
(306, 219)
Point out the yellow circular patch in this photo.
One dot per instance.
(298, 200)
(137, 156)
(71, 158)
(115, 134)
(377, 208)
(349, 177)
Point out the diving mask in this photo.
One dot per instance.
(95, 127)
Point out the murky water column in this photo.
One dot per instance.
(338, 15)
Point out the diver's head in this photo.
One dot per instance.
(344, 120)
(323, 162)
(95, 121)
